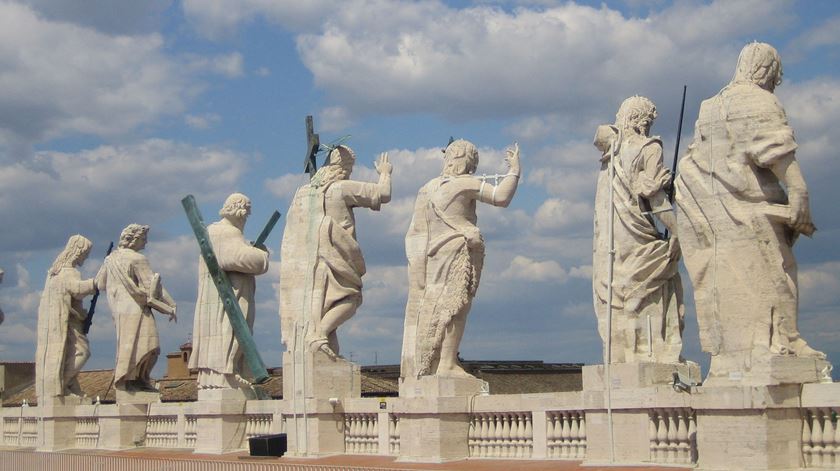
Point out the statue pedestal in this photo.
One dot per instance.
(438, 386)
(774, 370)
(122, 426)
(220, 421)
(639, 390)
(314, 425)
(747, 427)
(57, 424)
(434, 417)
(638, 375)
(137, 397)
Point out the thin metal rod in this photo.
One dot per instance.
(611, 258)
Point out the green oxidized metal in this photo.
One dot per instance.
(240, 329)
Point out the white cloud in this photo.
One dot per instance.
(229, 65)
(556, 214)
(107, 16)
(202, 121)
(334, 118)
(217, 18)
(820, 285)
(59, 79)
(97, 192)
(527, 269)
(813, 107)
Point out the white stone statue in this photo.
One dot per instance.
(742, 202)
(321, 263)
(445, 253)
(215, 350)
(647, 314)
(133, 291)
(63, 348)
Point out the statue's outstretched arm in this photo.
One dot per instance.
(502, 193)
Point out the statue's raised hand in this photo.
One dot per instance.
(512, 158)
(382, 164)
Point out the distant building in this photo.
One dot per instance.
(179, 383)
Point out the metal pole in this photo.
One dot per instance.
(611, 255)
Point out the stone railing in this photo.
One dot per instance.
(161, 431)
(672, 433)
(87, 432)
(500, 435)
(661, 427)
(821, 426)
(566, 434)
(361, 433)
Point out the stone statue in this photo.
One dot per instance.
(743, 201)
(63, 348)
(321, 264)
(215, 350)
(445, 253)
(647, 316)
(133, 291)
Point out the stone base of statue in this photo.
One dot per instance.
(768, 371)
(314, 383)
(639, 375)
(320, 376)
(442, 386)
(434, 420)
(434, 429)
(122, 426)
(220, 421)
(57, 424)
(749, 427)
(637, 388)
(136, 397)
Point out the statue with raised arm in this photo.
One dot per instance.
(647, 302)
(321, 263)
(215, 351)
(62, 347)
(743, 202)
(445, 253)
(134, 290)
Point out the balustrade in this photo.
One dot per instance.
(500, 435)
(162, 431)
(361, 434)
(821, 437)
(190, 431)
(672, 433)
(393, 434)
(87, 432)
(566, 434)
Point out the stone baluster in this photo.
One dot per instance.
(683, 446)
(550, 436)
(574, 438)
(806, 437)
(395, 437)
(816, 439)
(529, 436)
(836, 450)
(661, 436)
(582, 433)
(565, 436)
(673, 444)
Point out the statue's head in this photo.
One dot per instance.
(460, 158)
(237, 206)
(134, 237)
(636, 114)
(759, 63)
(74, 254)
(339, 166)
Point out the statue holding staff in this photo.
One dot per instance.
(63, 347)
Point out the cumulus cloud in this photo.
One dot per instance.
(524, 268)
(220, 18)
(555, 214)
(97, 192)
(59, 79)
(228, 65)
(202, 121)
(107, 16)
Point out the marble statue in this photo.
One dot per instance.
(321, 265)
(133, 291)
(215, 350)
(647, 307)
(445, 253)
(742, 203)
(62, 347)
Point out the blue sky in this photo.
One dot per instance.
(111, 111)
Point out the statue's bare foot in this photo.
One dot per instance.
(454, 371)
(807, 351)
(323, 345)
